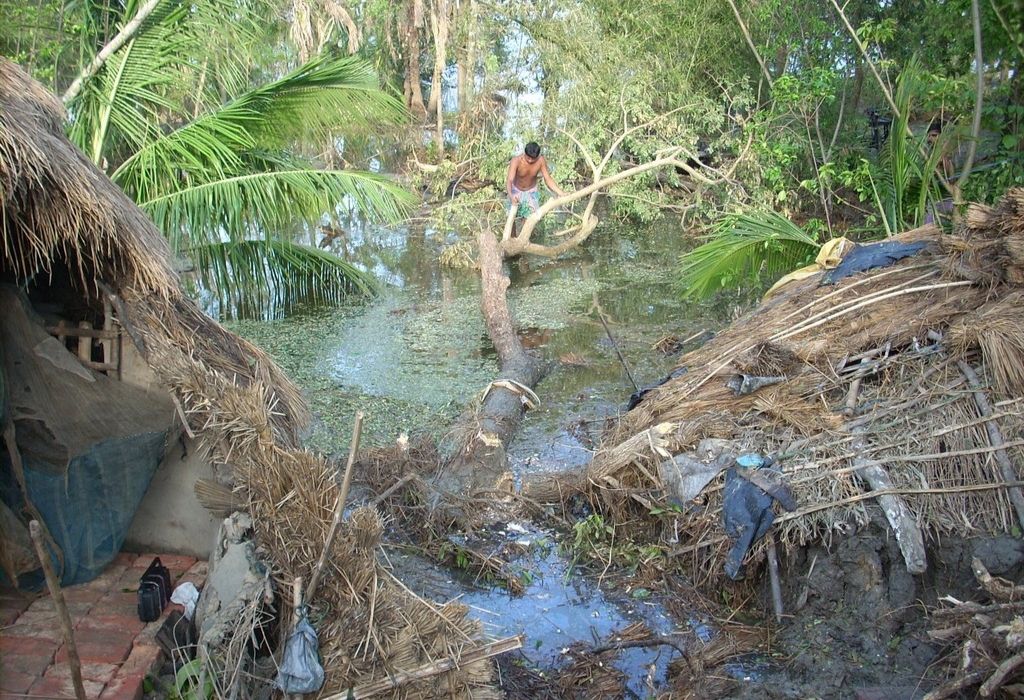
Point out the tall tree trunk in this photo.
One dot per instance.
(858, 84)
(439, 29)
(467, 66)
(412, 24)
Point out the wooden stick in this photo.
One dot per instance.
(902, 521)
(912, 290)
(84, 342)
(296, 604)
(999, 676)
(995, 437)
(955, 686)
(339, 507)
(615, 346)
(391, 489)
(399, 678)
(773, 575)
(57, 595)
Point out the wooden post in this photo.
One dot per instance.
(62, 609)
(339, 507)
(85, 343)
(773, 573)
(108, 325)
(60, 336)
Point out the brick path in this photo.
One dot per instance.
(117, 650)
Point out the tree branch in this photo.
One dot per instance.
(127, 32)
(978, 99)
(750, 43)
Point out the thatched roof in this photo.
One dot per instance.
(907, 336)
(58, 208)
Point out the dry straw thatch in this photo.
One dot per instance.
(902, 336)
(59, 211)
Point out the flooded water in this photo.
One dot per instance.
(558, 609)
(415, 356)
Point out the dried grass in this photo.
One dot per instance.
(921, 422)
(996, 330)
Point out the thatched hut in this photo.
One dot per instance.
(73, 238)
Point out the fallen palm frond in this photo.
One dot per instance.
(742, 246)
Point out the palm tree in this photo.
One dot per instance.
(216, 162)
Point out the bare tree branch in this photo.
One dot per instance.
(127, 32)
(750, 43)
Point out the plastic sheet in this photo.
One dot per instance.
(300, 670)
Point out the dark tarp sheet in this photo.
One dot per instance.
(90, 444)
(871, 256)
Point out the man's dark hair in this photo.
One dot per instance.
(936, 126)
(532, 150)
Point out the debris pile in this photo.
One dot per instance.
(902, 384)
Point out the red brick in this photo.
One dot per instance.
(145, 658)
(95, 646)
(83, 594)
(27, 646)
(44, 610)
(35, 630)
(16, 682)
(124, 559)
(97, 672)
(101, 620)
(27, 664)
(11, 606)
(117, 603)
(60, 686)
(196, 573)
(105, 581)
(124, 687)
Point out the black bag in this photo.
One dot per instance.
(150, 601)
(154, 591)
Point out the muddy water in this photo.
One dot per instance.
(415, 356)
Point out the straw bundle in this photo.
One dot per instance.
(996, 330)
(882, 347)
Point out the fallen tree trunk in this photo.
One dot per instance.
(481, 459)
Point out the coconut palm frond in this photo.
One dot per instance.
(315, 98)
(119, 108)
(241, 204)
(261, 273)
(742, 247)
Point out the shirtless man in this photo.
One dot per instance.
(521, 182)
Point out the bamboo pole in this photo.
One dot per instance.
(108, 327)
(57, 595)
(1006, 468)
(339, 507)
